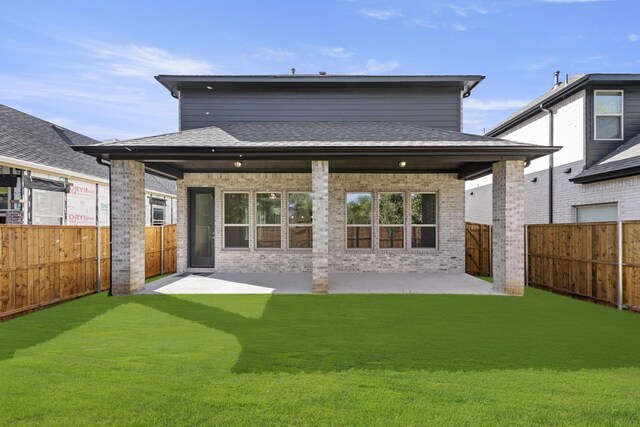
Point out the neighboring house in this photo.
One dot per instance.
(319, 174)
(43, 181)
(596, 175)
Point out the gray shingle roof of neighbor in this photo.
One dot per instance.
(28, 138)
(623, 161)
(315, 134)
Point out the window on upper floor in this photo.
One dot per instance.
(608, 114)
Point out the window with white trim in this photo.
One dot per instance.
(300, 220)
(268, 220)
(391, 220)
(424, 217)
(359, 221)
(608, 112)
(236, 220)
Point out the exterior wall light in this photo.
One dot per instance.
(402, 164)
(237, 164)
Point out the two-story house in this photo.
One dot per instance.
(596, 175)
(319, 173)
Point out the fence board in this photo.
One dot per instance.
(44, 265)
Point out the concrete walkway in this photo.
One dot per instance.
(339, 283)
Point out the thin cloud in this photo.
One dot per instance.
(473, 104)
(376, 66)
(145, 61)
(468, 10)
(459, 27)
(380, 14)
(531, 65)
(335, 52)
(633, 37)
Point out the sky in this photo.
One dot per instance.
(90, 65)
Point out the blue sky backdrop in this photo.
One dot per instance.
(89, 66)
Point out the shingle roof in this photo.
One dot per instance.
(623, 161)
(315, 134)
(28, 138)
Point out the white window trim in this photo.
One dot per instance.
(225, 225)
(588, 205)
(403, 225)
(256, 225)
(289, 225)
(347, 225)
(595, 115)
(411, 224)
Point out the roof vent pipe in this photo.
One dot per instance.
(556, 79)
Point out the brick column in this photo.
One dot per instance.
(508, 227)
(127, 226)
(320, 197)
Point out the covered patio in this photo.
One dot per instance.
(234, 170)
(300, 283)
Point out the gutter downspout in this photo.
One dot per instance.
(108, 164)
(551, 144)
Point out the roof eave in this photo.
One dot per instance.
(605, 176)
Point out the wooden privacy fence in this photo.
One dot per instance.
(582, 260)
(478, 249)
(42, 265)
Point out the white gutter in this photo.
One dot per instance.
(38, 167)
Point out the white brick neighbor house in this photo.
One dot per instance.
(596, 175)
(319, 174)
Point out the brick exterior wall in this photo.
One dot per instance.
(566, 195)
(448, 257)
(508, 227)
(127, 228)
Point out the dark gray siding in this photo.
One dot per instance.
(596, 150)
(437, 107)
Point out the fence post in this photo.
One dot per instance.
(162, 249)
(99, 259)
(620, 271)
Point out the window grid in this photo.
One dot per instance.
(291, 225)
(226, 225)
(358, 226)
(401, 226)
(433, 225)
(265, 226)
(596, 114)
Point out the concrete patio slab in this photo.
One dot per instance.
(339, 283)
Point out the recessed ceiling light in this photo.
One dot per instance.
(402, 164)
(209, 87)
(237, 164)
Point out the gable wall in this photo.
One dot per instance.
(436, 107)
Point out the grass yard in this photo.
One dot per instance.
(321, 360)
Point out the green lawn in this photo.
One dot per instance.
(321, 360)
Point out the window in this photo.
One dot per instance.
(236, 220)
(157, 215)
(391, 220)
(608, 114)
(597, 213)
(268, 220)
(359, 220)
(300, 221)
(4, 197)
(48, 207)
(423, 220)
